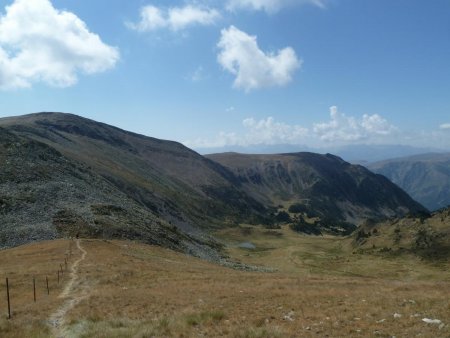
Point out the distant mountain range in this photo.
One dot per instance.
(64, 175)
(425, 177)
(360, 154)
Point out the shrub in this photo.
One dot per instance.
(283, 217)
(297, 208)
(302, 226)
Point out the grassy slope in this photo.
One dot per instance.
(140, 291)
(427, 238)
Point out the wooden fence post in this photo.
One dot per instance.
(7, 296)
(34, 289)
(58, 276)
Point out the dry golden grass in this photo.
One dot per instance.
(136, 290)
(20, 265)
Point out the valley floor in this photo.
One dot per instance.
(319, 288)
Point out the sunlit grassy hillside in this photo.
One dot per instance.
(318, 288)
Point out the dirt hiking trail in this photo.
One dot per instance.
(74, 292)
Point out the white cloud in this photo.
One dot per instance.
(174, 18)
(341, 130)
(266, 131)
(347, 128)
(445, 126)
(221, 140)
(254, 69)
(270, 6)
(39, 43)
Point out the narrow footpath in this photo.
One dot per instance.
(73, 293)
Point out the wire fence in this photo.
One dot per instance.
(40, 279)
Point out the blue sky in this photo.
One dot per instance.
(235, 72)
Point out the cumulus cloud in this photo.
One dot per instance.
(254, 69)
(340, 129)
(174, 18)
(265, 131)
(445, 126)
(270, 6)
(39, 43)
(268, 131)
(347, 128)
